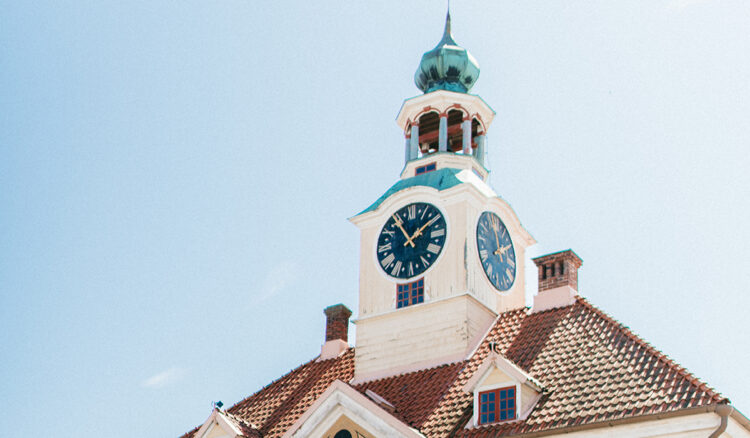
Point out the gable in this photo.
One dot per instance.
(219, 425)
(342, 404)
(346, 423)
(215, 431)
(496, 377)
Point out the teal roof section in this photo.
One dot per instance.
(447, 67)
(441, 179)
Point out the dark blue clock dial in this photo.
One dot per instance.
(411, 240)
(496, 251)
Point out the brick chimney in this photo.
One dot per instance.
(337, 331)
(558, 280)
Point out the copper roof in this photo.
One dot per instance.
(593, 370)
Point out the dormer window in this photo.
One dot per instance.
(502, 391)
(497, 405)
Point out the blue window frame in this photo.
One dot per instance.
(424, 169)
(410, 293)
(497, 405)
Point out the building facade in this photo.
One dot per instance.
(446, 346)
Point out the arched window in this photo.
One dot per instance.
(343, 433)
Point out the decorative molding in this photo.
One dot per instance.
(341, 399)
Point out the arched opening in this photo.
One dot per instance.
(455, 133)
(429, 127)
(476, 130)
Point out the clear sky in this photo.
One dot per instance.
(176, 178)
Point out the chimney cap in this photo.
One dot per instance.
(568, 254)
(337, 309)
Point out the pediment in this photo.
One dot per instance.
(341, 407)
(495, 369)
(221, 425)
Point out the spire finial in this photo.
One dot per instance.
(448, 20)
(447, 36)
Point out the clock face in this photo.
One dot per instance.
(411, 240)
(496, 251)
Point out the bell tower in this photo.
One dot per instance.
(441, 254)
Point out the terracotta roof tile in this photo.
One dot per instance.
(593, 369)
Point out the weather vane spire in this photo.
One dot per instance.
(448, 20)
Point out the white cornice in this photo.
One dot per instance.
(442, 100)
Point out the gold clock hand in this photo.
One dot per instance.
(419, 231)
(494, 228)
(397, 219)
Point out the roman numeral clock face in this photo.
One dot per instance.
(496, 251)
(411, 240)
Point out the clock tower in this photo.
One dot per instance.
(441, 254)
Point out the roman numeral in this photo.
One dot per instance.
(437, 233)
(483, 254)
(388, 260)
(396, 268)
(489, 271)
(509, 273)
(412, 210)
(511, 262)
(384, 248)
(411, 269)
(424, 212)
(391, 233)
(433, 248)
(424, 261)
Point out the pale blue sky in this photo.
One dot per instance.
(175, 179)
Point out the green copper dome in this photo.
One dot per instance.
(447, 67)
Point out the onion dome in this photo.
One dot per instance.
(447, 67)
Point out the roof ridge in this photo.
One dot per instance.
(312, 361)
(660, 356)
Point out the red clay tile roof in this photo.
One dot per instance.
(593, 370)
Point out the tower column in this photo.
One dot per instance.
(407, 150)
(414, 147)
(479, 153)
(443, 134)
(466, 128)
